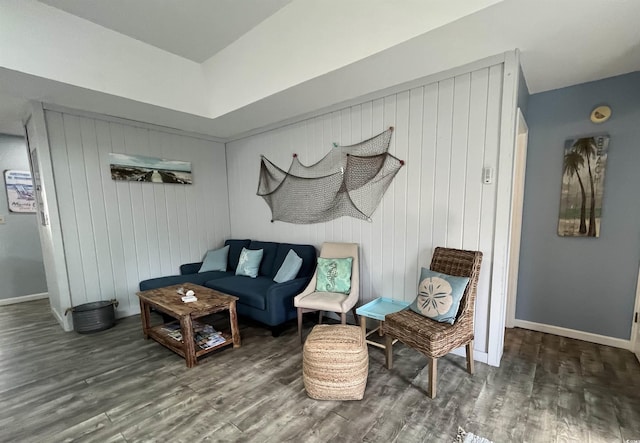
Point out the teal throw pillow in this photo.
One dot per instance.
(249, 262)
(215, 260)
(334, 275)
(439, 296)
(289, 268)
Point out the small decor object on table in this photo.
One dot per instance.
(191, 333)
(377, 309)
(189, 297)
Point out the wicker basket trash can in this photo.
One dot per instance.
(335, 363)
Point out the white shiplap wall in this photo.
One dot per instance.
(118, 233)
(446, 132)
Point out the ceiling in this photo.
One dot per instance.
(12, 111)
(193, 29)
(227, 67)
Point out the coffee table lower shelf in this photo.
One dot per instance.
(161, 336)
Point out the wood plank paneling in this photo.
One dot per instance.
(487, 225)
(388, 208)
(68, 222)
(445, 131)
(442, 170)
(119, 233)
(427, 172)
(94, 188)
(412, 220)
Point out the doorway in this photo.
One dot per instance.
(21, 259)
(519, 170)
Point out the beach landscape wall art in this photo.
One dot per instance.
(149, 169)
(585, 160)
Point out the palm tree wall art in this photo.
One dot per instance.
(584, 164)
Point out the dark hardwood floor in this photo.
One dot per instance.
(114, 386)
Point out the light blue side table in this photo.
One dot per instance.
(377, 309)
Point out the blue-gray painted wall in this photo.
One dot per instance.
(584, 284)
(21, 264)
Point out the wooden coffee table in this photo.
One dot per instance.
(168, 301)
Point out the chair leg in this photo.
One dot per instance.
(343, 318)
(388, 351)
(433, 377)
(470, 368)
(300, 324)
(320, 317)
(355, 316)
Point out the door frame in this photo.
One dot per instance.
(635, 322)
(517, 205)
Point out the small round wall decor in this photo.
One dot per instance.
(601, 114)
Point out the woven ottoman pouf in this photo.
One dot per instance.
(335, 363)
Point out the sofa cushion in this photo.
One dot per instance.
(251, 291)
(249, 262)
(268, 257)
(307, 253)
(235, 248)
(215, 260)
(198, 279)
(289, 269)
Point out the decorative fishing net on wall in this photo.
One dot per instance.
(348, 181)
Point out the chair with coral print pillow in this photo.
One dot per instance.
(437, 336)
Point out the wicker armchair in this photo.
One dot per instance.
(430, 337)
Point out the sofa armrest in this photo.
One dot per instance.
(190, 268)
(280, 295)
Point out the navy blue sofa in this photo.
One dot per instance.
(260, 298)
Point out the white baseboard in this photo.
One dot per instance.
(572, 333)
(480, 356)
(23, 298)
(62, 320)
(123, 313)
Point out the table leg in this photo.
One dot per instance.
(233, 319)
(189, 346)
(145, 314)
(388, 351)
(363, 325)
(380, 325)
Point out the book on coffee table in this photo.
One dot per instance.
(204, 335)
(208, 337)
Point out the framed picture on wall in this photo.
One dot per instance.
(584, 163)
(20, 192)
(149, 169)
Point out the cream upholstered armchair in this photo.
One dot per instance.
(310, 300)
